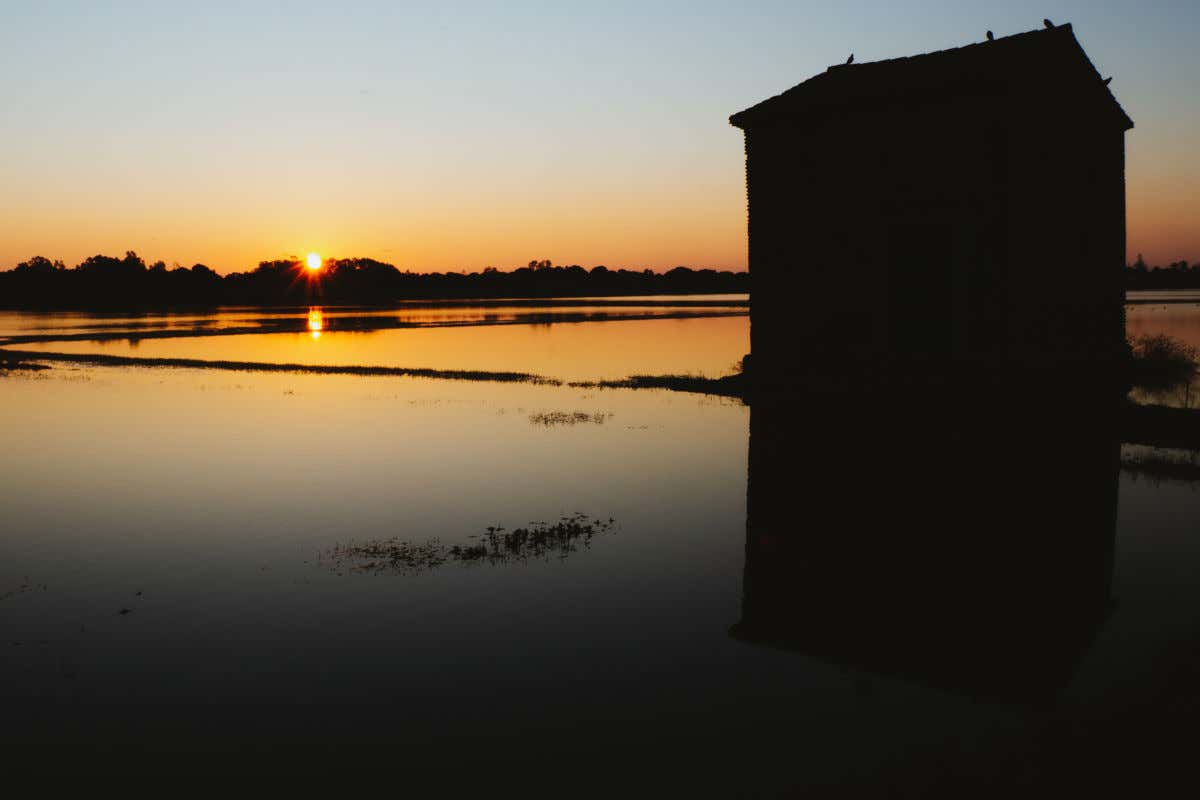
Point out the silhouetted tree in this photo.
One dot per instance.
(102, 281)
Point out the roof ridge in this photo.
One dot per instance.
(1005, 60)
(1057, 29)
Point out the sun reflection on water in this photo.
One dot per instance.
(316, 322)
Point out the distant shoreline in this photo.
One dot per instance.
(699, 299)
(106, 282)
(1162, 297)
(677, 299)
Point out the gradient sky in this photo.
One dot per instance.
(461, 135)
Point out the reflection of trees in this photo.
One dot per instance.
(1176, 275)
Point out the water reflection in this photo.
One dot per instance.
(1170, 316)
(585, 346)
(964, 546)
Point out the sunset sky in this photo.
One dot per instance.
(461, 135)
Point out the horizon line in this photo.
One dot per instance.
(296, 259)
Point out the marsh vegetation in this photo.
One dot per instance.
(537, 541)
(1159, 361)
(1159, 463)
(10, 363)
(551, 419)
(105, 360)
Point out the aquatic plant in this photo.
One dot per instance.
(8, 365)
(24, 586)
(389, 555)
(1159, 463)
(728, 386)
(551, 418)
(104, 360)
(1160, 362)
(538, 541)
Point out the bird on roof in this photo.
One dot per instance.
(1049, 25)
(991, 36)
(850, 60)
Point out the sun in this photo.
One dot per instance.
(313, 261)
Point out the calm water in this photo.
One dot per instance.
(575, 342)
(1175, 314)
(213, 505)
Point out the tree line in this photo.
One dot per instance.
(109, 282)
(1176, 275)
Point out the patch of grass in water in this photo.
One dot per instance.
(99, 359)
(1159, 463)
(732, 385)
(538, 541)
(550, 419)
(24, 586)
(9, 365)
(729, 386)
(1161, 362)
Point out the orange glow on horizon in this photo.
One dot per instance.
(658, 232)
(446, 234)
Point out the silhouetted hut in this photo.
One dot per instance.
(965, 204)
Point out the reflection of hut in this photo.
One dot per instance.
(965, 203)
(966, 546)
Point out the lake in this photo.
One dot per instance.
(1175, 314)
(573, 341)
(510, 584)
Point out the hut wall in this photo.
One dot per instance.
(1068, 234)
(879, 233)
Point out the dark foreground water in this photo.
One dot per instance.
(215, 570)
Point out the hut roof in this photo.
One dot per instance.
(1022, 60)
